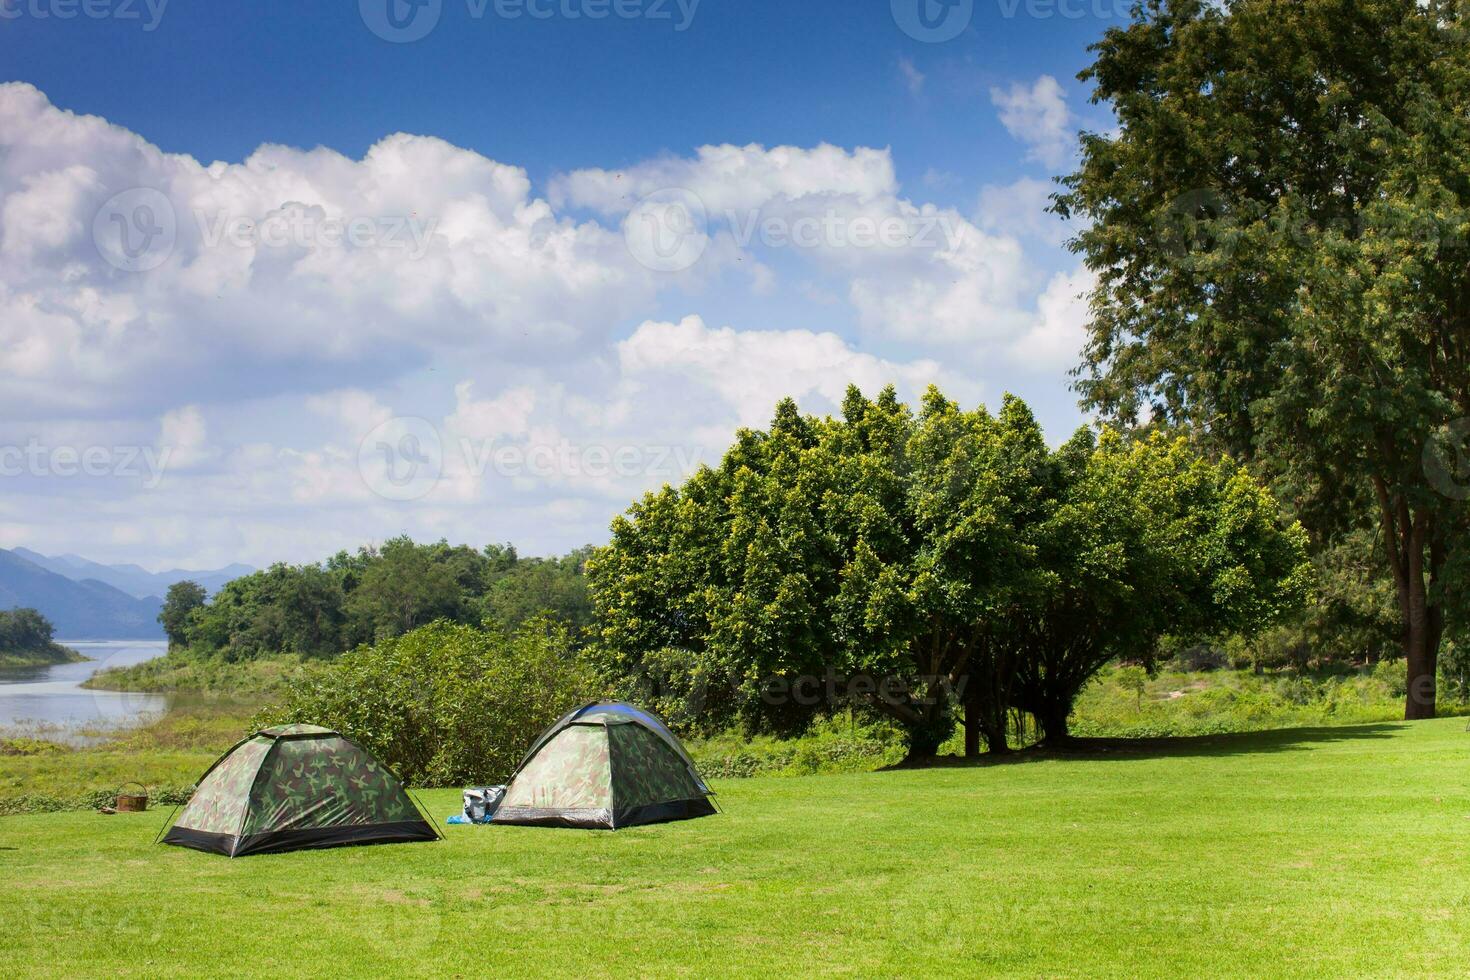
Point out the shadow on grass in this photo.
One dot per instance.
(1239, 743)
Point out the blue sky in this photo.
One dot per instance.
(494, 301)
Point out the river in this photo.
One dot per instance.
(51, 700)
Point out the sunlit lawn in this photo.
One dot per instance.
(1323, 851)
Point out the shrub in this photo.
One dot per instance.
(446, 704)
(1391, 673)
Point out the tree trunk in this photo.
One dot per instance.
(1053, 722)
(1409, 539)
(972, 729)
(995, 737)
(1421, 653)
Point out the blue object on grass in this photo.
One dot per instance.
(457, 818)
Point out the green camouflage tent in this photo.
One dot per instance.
(293, 787)
(606, 765)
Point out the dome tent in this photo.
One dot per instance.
(293, 787)
(605, 765)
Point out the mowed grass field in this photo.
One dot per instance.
(1339, 851)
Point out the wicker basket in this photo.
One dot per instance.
(132, 802)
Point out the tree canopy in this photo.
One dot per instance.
(917, 564)
(374, 594)
(1279, 229)
(24, 630)
(178, 605)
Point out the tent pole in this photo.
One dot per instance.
(167, 822)
(424, 812)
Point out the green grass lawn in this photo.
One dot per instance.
(1309, 852)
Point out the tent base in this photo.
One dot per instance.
(603, 819)
(278, 841)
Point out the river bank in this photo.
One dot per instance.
(47, 656)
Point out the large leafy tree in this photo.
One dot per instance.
(921, 563)
(1279, 232)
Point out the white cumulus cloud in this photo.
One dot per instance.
(1037, 115)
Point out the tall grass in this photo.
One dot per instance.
(1121, 702)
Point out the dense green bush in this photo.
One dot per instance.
(446, 704)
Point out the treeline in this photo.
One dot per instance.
(375, 594)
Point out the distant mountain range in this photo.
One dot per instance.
(135, 580)
(85, 600)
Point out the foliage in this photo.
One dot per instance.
(178, 605)
(1454, 672)
(1279, 229)
(1133, 678)
(907, 563)
(319, 611)
(445, 704)
(26, 638)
